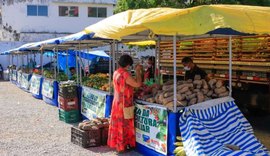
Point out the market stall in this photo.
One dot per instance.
(177, 23)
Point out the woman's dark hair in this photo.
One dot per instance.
(152, 58)
(125, 60)
(187, 60)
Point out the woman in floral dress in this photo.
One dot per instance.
(122, 131)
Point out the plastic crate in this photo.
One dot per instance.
(85, 139)
(68, 104)
(104, 135)
(69, 116)
(68, 91)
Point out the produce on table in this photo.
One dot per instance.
(94, 124)
(59, 77)
(97, 81)
(48, 74)
(179, 148)
(188, 92)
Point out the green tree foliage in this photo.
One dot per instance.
(123, 5)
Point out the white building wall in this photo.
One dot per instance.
(16, 16)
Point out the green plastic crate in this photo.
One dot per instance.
(69, 116)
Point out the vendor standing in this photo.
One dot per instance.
(191, 69)
(150, 70)
(121, 134)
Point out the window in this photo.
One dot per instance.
(71, 11)
(102, 12)
(97, 12)
(37, 10)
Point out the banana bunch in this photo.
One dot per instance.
(179, 150)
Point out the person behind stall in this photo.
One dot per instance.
(191, 69)
(72, 71)
(1, 72)
(121, 134)
(150, 71)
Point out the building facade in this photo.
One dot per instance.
(24, 21)
(35, 20)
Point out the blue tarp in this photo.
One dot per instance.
(89, 55)
(211, 128)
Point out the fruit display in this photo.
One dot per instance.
(188, 92)
(94, 124)
(97, 81)
(50, 75)
(179, 149)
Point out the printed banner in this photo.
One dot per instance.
(19, 77)
(151, 127)
(93, 103)
(14, 75)
(35, 84)
(25, 82)
(47, 88)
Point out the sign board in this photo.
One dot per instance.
(93, 103)
(14, 75)
(25, 82)
(151, 124)
(19, 77)
(47, 88)
(35, 84)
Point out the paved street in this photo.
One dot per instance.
(30, 127)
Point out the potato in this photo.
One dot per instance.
(184, 85)
(212, 83)
(188, 93)
(191, 96)
(80, 126)
(168, 94)
(167, 88)
(197, 77)
(196, 90)
(200, 97)
(198, 87)
(198, 82)
(207, 98)
(204, 84)
(180, 97)
(214, 95)
(183, 90)
(220, 90)
(224, 94)
(205, 91)
(167, 100)
(219, 83)
(210, 92)
(192, 101)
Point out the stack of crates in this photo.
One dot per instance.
(68, 102)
